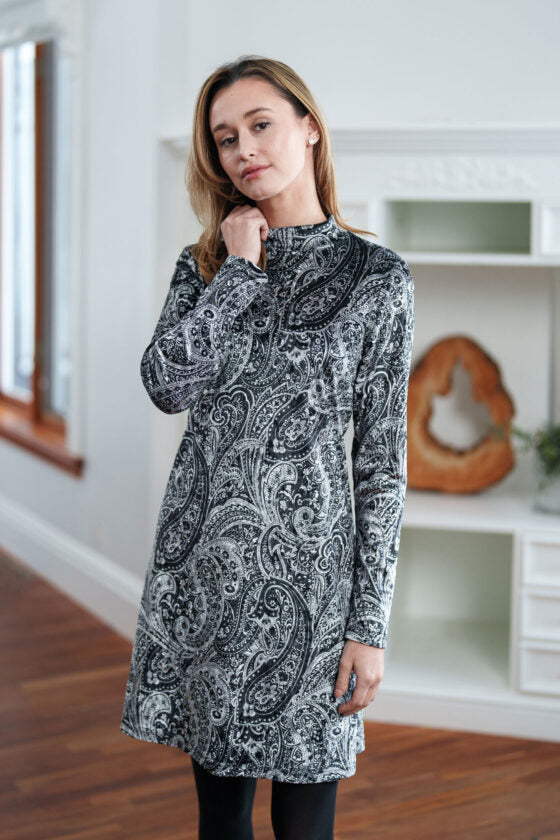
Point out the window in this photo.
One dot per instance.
(34, 276)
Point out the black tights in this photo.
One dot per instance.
(299, 811)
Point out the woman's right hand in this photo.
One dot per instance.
(243, 229)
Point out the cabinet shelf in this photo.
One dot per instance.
(449, 658)
(496, 510)
(434, 231)
(450, 227)
(477, 259)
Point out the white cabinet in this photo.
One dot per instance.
(540, 560)
(539, 616)
(474, 638)
(539, 668)
(537, 648)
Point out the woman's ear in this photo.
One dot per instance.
(312, 125)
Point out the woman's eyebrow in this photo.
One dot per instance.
(245, 115)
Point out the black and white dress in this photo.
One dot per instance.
(257, 573)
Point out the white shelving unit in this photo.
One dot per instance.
(474, 640)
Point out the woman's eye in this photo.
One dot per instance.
(224, 141)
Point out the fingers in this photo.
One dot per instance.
(242, 231)
(362, 696)
(249, 212)
(343, 677)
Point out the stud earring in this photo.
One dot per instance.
(311, 141)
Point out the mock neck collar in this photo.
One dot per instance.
(283, 243)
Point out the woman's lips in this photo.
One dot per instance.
(255, 173)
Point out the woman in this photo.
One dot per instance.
(265, 611)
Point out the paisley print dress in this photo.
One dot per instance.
(259, 570)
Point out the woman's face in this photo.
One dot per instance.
(253, 125)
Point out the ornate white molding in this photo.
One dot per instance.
(435, 140)
(458, 175)
(432, 140)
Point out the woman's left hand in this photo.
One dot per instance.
(368, 663)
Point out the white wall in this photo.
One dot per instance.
(373, 63)
(370, 64)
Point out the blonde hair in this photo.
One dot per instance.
(212, 193)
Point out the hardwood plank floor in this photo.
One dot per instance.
(68, 772)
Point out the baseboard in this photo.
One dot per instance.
(94, 581)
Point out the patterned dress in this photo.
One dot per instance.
(258, 572)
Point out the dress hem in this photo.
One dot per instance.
(271, 774)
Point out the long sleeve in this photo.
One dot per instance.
(379, 453)
(189, 346)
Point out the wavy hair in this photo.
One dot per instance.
(212, 193)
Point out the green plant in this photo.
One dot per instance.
(546, 443)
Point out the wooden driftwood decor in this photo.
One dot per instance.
(433, 465)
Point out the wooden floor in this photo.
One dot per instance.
(67, 771)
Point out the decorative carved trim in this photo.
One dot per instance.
(458, 175)
(433, 140)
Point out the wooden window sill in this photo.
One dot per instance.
(43, 439)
